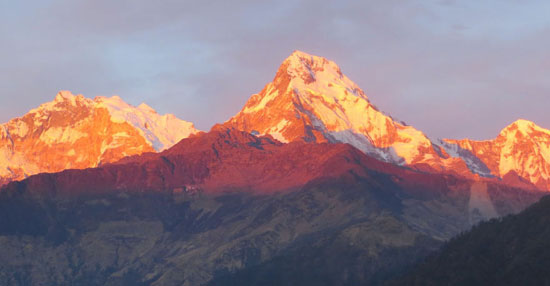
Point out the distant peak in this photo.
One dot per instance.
(520, 124)
(116, 98)
(305, 75)
(64, 95)
(299, 59)
(523, 126)
(307, 68)
(300, 54)
(145, 107)
(523, 123)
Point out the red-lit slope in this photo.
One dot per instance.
(228, 160)
(221, 160)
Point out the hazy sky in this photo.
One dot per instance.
(451, 68)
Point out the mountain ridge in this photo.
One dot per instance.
(521, 149)
(311, 100)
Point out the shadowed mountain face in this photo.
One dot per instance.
(224, 207)
(509, 251)
(162, 239)
(365, 253)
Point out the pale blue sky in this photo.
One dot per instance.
(450, 68)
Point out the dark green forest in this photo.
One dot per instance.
(513, 250)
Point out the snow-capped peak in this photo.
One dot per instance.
(524, 126)
(319, 74)
(64, 95)
(77, 132)
(161, 131)
(143, 106)
(521, 148)
(311, 99)
(67, 96)
(299, 62)
(298, 59)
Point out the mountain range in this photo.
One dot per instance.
(309, 100)
(309, 184)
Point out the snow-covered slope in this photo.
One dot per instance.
(522, 149)
(77, 132)
(311, 99)
(160, 131)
